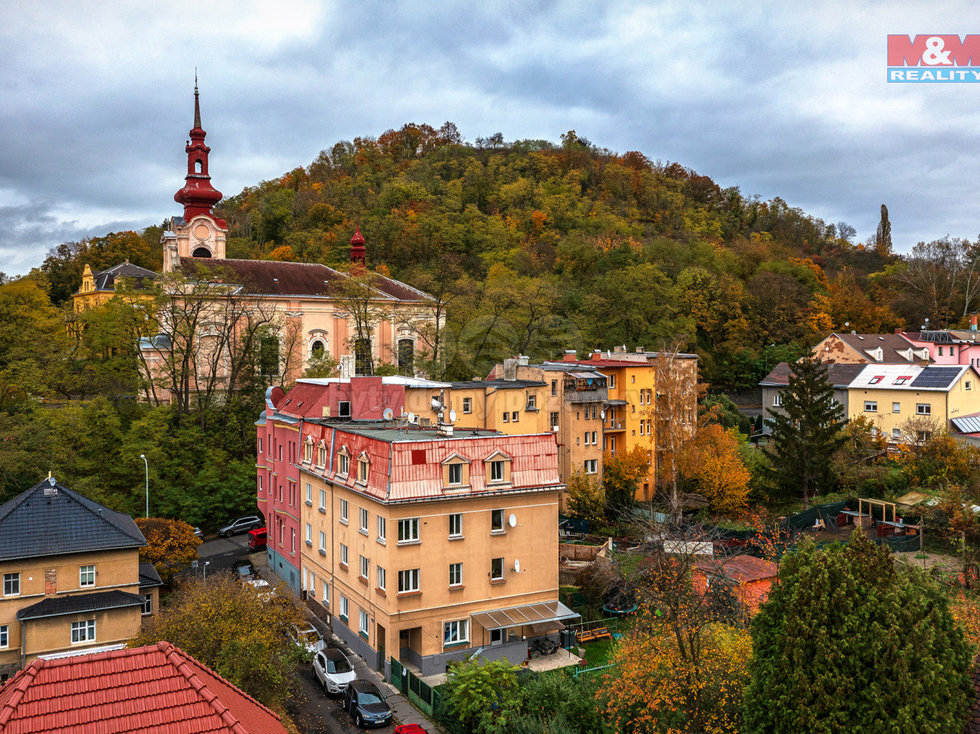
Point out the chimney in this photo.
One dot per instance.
(522, 360)
(640, 350)
(619, 350)
(596, 354)
(899, 331)
(570, 356)
(510, 369)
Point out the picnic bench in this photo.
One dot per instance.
(599, 633)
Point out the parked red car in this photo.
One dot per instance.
(257, 538)
(409, 729)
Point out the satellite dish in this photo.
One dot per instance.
(436, 404)
(388, 414)
(512, 520)
(602, 414)
(412, 418)
(517, 563)
(452, 416)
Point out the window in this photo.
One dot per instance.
(147, 604)
(777, 400)
(365, 566)
(870, 406)
(280, 452)
(326, 593)
(344, 607)
(382, 578)
(514, 416)
(506, 417)
(612, 380)
(362, 469)
(903, 379)
(408, 530)
(923, 409)
(382, 529)
(923, 435)
(309, 494)
(307, 452)
(344, 464)
(323, 500)
(496, 569)
(323, 542)
(343, 554)
(896, 433)
(456, 632)
(591, 466)
(532, 402)
(343, 409)
(455, 473)
(554, 420)
(496, 471)
(4, 636)
(968, 385)
(876, 379)
(595, 440)
(455, 574)
(642, 424)
(86, 576)
(343, 511)
(587, 440)
(496, 636)
(11, 584)
(292, 540)
(456, 525)
(554, 387)
(467, 405)
(408, 581)
(260, 445)
(940, 351)
(83, 631)
(406, 357)
(364, 521)
(312, 585)
(496, 521)
(309, 534)
(362, 623)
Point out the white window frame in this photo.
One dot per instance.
(591, 466)
(382, 577)
(870, 406)
(382, 529)
(364, 567)
(86, 576)
(923, 408)
(344, 608)
(309, 534)
(455, 632)
(456, 525)
(309, 494)
(344, 554)
(344, 512)
(4, 637)
(532, 402)
(409, 581)
(455, 474)
(83, 631)
(455, 574)
(501, 576)
(467, 405)
(323, 542)
(147, 608)
(362, 623)
(363, 517)
(11, 584)
(344, 468)
(777, 400)
(497, 521)
(363, 469)
(896, 407)
(408, 530)
(323, 500)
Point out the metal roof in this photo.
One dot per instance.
(967, 423)
(548, 611)
(54, 606)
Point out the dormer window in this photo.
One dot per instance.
(343, 463)
(321, 454)
(363, 465)
(308, 450)
(497, 468)
(456, 472)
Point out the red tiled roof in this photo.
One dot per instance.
(154, 688)
(742, 569)
(271, 277)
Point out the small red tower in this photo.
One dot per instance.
(198, 195)
(358, 253)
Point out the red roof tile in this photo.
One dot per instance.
(154, 688)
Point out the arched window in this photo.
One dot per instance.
(198, 166)
(406, 356)
(269, 355)
(317, 348)
(202, 252)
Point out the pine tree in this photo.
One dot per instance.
(806, 433)
(850, 641)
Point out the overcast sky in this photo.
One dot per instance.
(97, 99)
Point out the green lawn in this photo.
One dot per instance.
(599, 652)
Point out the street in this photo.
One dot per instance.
(313, 711)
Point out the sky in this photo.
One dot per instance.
(779, 99)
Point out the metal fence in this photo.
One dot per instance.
(419, 693)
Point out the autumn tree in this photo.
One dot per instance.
(586, 497)
(170, 545)
(944, 277)
(358, 295)
(621, 475)
(713, 462)
(675, 420)
(850, 641)
(805, 432)
(228, 628)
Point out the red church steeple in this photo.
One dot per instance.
(358, 252)
(198, 195)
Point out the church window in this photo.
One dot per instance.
(202, 252)
(317, 348)
(269, 355)
(198, 166)
(363, 364)
(406, 356)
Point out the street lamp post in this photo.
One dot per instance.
(147, 465)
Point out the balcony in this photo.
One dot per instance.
(586, 396)
(611, 426)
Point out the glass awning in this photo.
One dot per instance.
(548, 611)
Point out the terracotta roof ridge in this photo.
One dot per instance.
(20, 683)
(175, 654)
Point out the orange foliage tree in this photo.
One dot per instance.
(713, 462)
(170, 545)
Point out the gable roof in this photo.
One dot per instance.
(275, 278)
(153, 688)
(838, 375)
(105, 279)
(47, 521)
(909, 377)
(54, 606)
(879, 348)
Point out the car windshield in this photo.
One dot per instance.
(338, 666)
(366, 698)
(244, 569)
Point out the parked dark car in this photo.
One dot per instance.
(364, 702)
(241, 525)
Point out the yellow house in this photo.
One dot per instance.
(72, 580)
(424, 547)
(909, 402)
(99, 286)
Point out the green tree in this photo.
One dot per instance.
(851, 641)
(476, 693)
(621, 475)
(806, 432)
(586, 498)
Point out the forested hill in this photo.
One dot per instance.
(539, 247)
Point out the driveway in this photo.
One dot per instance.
(315, 712)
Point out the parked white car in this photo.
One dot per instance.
(334, 671)
(306, 636)
(263, 588)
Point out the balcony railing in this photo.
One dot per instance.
(614, 426)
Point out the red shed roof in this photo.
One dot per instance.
(742, 569)
(154, 688)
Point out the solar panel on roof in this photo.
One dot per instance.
(936, 377)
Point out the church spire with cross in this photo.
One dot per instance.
(198, 195)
